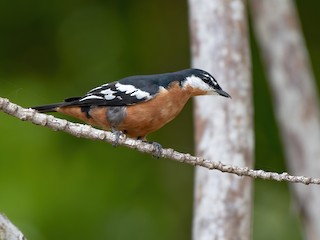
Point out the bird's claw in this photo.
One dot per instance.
(117, 136)
(157, 149)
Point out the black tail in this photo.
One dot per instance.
(48, 108)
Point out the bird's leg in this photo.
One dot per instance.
(117, 135)
(157, 148)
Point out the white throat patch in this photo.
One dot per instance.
(197, 83)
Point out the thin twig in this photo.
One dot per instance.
(86, 131)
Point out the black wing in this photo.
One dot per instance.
(125, 92)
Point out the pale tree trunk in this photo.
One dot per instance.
(295, 99)
(224, 127)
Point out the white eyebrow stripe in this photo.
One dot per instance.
(211, 78)
(214, 82)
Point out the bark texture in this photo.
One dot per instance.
(8, 231)
(85, 131)
(295, 98)
(224, 127)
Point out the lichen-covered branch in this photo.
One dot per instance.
(8, 231)
(85, 131)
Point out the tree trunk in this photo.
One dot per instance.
(223, 127)
(295, 99)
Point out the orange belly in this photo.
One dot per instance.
(147, 117)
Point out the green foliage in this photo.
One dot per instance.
(55, 186)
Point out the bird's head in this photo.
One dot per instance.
(204, 82)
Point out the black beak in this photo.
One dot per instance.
(223, 93)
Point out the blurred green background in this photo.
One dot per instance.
(55, 186)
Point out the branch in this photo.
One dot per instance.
(86, 131)
(8, 231)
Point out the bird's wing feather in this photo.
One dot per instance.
(126, 92)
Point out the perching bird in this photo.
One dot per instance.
(138, 105)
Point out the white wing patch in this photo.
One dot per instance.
(90, 97)
(116, 94)
(108, 94)
(132, 90)
(125, 88)
(139, 94)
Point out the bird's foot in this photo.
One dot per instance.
(117, 136)
(157, 149)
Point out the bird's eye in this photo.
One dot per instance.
(209, 80)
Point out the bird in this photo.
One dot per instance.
(138, 105)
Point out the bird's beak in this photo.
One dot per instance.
(223, 93)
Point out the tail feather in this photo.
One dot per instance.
(74, 101)
(48, 108)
